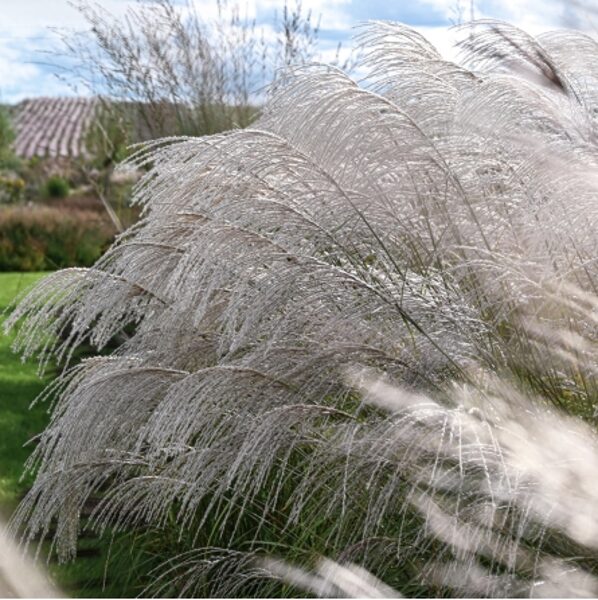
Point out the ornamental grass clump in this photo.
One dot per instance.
(363, 329)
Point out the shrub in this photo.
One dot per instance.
(11, 189)
(56, 187)
(8, 160)
(365, 329)
(43, 238)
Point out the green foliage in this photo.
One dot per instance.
(109, 136)
(56, 187)
(42, 238)
(19, 422)
(8, 159)
(19, 385)
(11, 189)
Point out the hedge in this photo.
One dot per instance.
(43, 238)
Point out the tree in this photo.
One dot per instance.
(8, 159)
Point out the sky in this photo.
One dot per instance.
(27, 37)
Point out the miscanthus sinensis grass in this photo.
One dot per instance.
(431, 230)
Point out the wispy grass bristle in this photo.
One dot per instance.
(364, 328)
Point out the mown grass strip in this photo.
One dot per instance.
(19, 385)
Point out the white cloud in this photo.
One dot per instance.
(31, 18)
(24, 28)
(335, 14)
(21, 78)
(25, 34)
(442, 38)
(532, 15)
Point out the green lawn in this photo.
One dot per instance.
(100, 570)
(19, 385)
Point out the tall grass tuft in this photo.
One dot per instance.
(364, 329)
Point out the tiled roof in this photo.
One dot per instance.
(52, 127)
